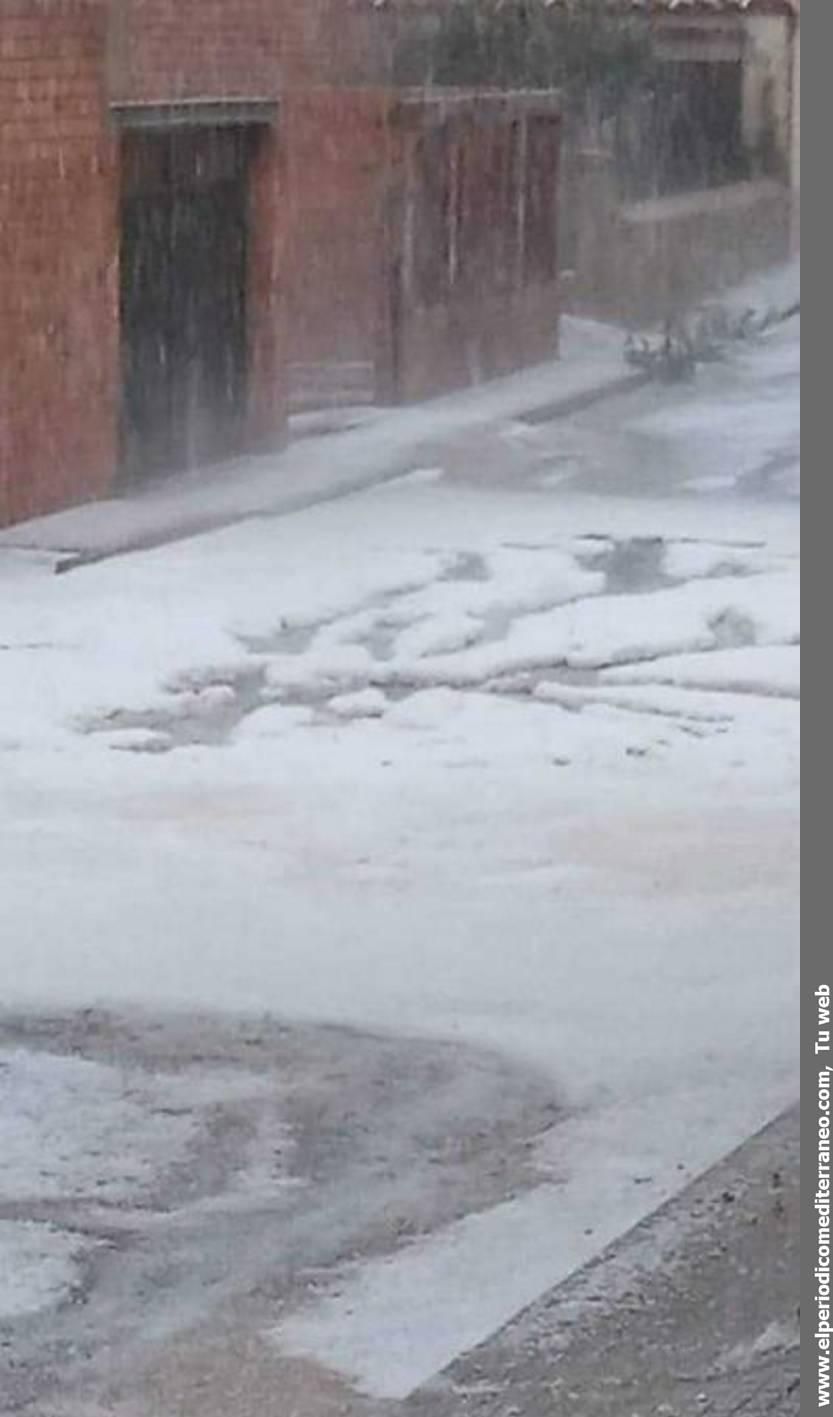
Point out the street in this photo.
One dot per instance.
(400, 895)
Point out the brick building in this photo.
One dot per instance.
(198, 196)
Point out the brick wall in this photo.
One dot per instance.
(58, 280)
(649, 260)
(357, 196)
(321, 207)
(267, 316)
(337, 147)
(474, 246)
(59, 240)
(184, 49)
(165, 50)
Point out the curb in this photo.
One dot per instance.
(68, 559)
(576, 403)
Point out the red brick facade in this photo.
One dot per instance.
(471, 239)
(166, 50)
(423, 240)
(338, 145)
(62, 65)
(58, 289)
(329, 174)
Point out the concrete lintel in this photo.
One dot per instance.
(735, 196)
(195, 113)
(426, 105)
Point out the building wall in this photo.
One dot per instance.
(187, 49)
(647, 261)
(269, 344)
(367, 214)
(795, 138)
(60, 385)
(338, 145)
(641, 261)
(162, 50)
(58, 255)
(321, 221)
(474, 245)
(767, 83)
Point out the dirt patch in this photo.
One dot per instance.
(694, 1311)
(304, 1148)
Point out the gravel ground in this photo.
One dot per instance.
(209, 1171)
(693, 1312)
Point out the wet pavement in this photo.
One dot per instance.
(691, 1314)
(194, 1164)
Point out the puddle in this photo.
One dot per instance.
(205, 715)
(466, 566)
(206, 712)
(286, 639)
(733, 630)
(381, 640)
(631, 566)
(638, 565)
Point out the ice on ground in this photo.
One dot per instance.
(272, 721)
(653, 699)
(586, 884)
(777, 1337)
(73, 1129)
(713, 482)
(70, 1128)
(319, 669)
(687, 560)
(137, 740)
(732, 437)
(423, 475)
(18, 565)
(777, 288)
(440, 634)
(77, 1131)
(475, 589)
(771, 669)
(592, 729)
(596, 632)
(367, 703)
(133, 634)
(392, 1324)
(40, 1266)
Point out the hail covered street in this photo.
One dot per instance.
(399, 901)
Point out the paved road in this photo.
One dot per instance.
(693, 1312)
(210, 1168)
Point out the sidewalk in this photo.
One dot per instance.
(384, 445)
(358, 448)
(694, 1311)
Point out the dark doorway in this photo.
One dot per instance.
(183, 298)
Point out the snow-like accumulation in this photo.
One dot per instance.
(39, 1267)
(415, 761)
(89, 1138)
(594, 633)
(70, 1128)
(272, 721)
(774, 670)
(392, 1323)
